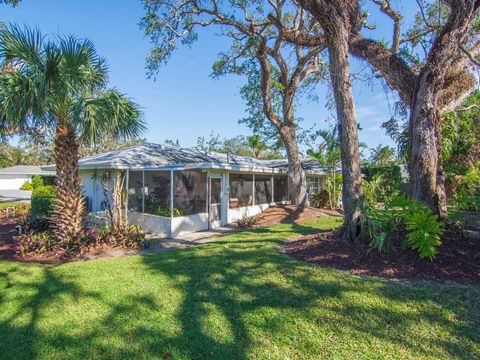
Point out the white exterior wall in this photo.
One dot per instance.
(187, 224)
(150, 223)
(235, 214)
(13, 182)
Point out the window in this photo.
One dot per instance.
(189, 192)
(263, 189)
(241, 190)
(313, 185)
(280, 188)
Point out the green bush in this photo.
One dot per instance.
(37, 181)
(424, 231)
(27, 185)
(391, 176)
(467, 196)
(419, 228)
(320, 199)
(42, 200)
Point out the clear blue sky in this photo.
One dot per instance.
(184, 103)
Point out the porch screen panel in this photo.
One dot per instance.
(241, 190)
(189, 192)
(263, 189)
(135, 190)
(157, 193)
(280, 188)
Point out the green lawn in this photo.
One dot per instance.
(238, 297)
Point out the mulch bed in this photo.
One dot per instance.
(287, 214)
(7, 248)
(458, 258)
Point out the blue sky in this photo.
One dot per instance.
(184, 102)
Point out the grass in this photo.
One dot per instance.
(236, 298)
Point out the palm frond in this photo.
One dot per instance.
(109, 115)
(21, 46)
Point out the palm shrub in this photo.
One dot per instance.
(60, 85)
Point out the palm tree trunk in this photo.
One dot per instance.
(69, 209)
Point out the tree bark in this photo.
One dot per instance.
(296, 176)
(426, 177)
(334, 19)
(69, 208)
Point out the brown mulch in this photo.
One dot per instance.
(458, 258)
(287, 214)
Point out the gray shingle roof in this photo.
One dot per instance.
(154, 156)
(26, 170)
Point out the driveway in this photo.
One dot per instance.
(14, 195)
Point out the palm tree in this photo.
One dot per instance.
(256, 144)
(382, 155)
(60, 85)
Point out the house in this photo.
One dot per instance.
(208, 189)
(12, 178)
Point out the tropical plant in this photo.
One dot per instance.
(328, 155)
(61, 84)
(372, 188)
(382, 155)
(411, 221)
(424, 231)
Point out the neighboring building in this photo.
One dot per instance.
(208, 189)
(12, 178)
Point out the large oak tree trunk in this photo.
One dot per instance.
(427, 183)
(333, 16)
(69, 209)
(426, 179)
(297, 189)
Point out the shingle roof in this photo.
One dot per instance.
(26, 170)
(153, 156)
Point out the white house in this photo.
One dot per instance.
(12, 178)
(176, 190)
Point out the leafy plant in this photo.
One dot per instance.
(424, 231)
(320, 199)
(27, 185)
(35, 243)
(410, 220)
(246, 221)
(42, 201)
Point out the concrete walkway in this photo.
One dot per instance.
(187, 240)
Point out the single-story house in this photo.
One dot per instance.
(12, 178)
(174, 190)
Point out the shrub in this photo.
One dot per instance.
(37, 181)
(14, 209)
(320, 199)
(42, 200)
(130, 236)
(404, 218)
(391, 179)
(246, 221)
(35, 243)
(467, 196)
(27, 185)
(424, 231)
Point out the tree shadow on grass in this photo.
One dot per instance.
(18, 328)
(254, 286)
(236, 298)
